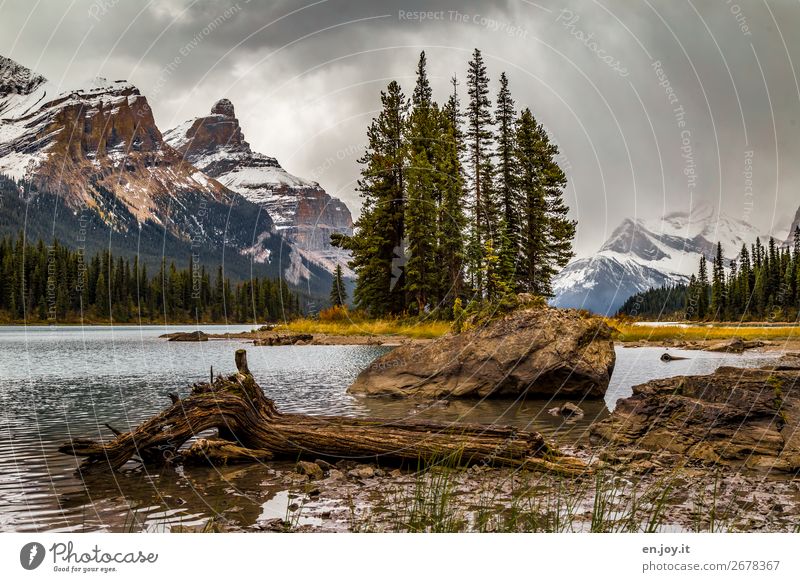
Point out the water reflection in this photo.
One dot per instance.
(60, 383)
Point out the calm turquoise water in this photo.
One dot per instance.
(60, 383)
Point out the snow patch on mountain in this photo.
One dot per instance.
(641, 254)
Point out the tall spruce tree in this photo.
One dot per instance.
(547, 232)
(560, 229)
(495, 264)
(478, 139)
(505, 182)
(452, 220)
(378, 243)
(421, 273)
(534, 228)
(718, 285)
(702, 289)
(745, 272)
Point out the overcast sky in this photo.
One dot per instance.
(656, 105)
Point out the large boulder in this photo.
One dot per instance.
(737, 417)
(540, 351)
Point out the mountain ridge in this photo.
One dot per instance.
(642, 254)
(94, 154)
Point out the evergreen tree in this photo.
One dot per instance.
(452, 220)
(547, 233)
(338, 295)
(421, 273)
(718, 285)
(560, 229)
(702, 290)
(733, 303)
(102, 295)
(505, 183)
(744, 290)
(478, 139)
(378, 243)
(664, 303)
(534, 229)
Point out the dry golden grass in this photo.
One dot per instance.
(699, 332)
(416, 330)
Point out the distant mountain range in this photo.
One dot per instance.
(90, 166)
(642, 254)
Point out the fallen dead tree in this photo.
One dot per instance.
(254, 429)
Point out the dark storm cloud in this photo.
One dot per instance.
(654, 104)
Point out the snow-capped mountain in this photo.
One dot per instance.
(641, 254)
(302, 211)
(93, 170)
(789, 242)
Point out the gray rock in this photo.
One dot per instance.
(541, 351)
(313, 470)
(335, 474)
(290, 339)
(735, 345)
(362, 472)
(731, 346)
(570, 409)
(324, 465)
(736, 417)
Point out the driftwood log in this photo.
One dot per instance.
(237, 407)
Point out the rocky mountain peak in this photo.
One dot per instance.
(301, 209)
(642, 254)
(16, 79)
(217, 133)
(789, 242)
(223, 107)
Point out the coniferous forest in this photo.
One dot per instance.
(761, 284)
(462, 205)
(459, 203)
(54, 284)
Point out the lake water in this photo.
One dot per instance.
(57, 383)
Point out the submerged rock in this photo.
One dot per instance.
(189, 336)
(568, 410)
(739, 417)
(540, 351)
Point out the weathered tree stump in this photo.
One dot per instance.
(667, 357)
(243, 415)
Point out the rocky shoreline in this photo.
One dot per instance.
(634, 496)
(705, 453)
(717, 452)
(271, 337)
